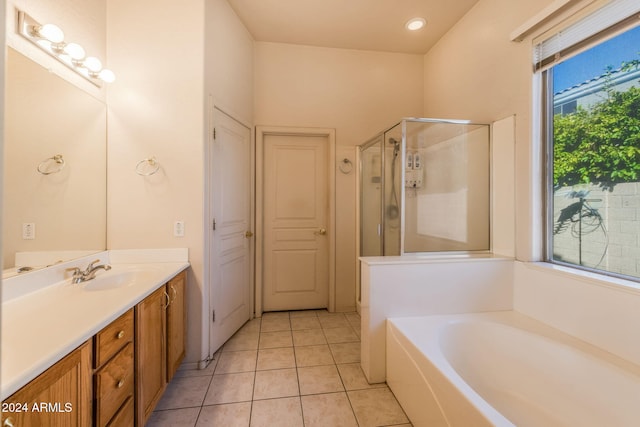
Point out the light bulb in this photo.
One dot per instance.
(107, 76)
(75, 51)
(92, 64)
(51, 32)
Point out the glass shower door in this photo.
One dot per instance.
(392, 221)
(371, 198)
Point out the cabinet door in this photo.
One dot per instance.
(60, 396)
(176, 323)
(151, 373)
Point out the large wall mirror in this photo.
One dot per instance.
(54, 200)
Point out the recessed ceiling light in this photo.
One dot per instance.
(415, 24)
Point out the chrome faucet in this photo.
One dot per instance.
(89, 273)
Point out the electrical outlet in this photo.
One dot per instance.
(178, 229)
(28, 231)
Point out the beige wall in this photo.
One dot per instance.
(475, 72)
(156, 109)
(228, 62)
(358, 93)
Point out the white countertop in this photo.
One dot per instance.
(48, 322)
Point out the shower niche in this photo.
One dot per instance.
(424, 187)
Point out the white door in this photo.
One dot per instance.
(296, 213)
(231, 261)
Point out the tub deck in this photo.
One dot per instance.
(505, 369)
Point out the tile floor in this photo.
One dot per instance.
(299, 368)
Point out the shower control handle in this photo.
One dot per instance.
(321, 231)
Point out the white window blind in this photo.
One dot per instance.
(608, 19)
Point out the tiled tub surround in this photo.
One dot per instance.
(297, 368)
(44, 316)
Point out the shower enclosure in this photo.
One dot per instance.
(424, 187)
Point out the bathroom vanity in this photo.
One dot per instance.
(93, 353)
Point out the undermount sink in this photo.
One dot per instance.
(115, 280)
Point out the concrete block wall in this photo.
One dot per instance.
(615, 245)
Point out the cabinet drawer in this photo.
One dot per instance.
(125, 415)
(114, 384)
(112, 338)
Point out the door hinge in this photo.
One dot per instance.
(213, 316)
(213, 225)
(214, 133)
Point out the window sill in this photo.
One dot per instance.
(592, 278)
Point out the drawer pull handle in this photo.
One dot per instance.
(8, 422)
(120, 384)
(120, 335)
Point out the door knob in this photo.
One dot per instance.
(248, 234)
(321, 231)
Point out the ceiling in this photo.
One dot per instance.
(351, 24)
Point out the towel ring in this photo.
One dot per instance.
(345, 166)
(151, 161)
(44, 165)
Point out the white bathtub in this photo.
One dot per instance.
(506, 369)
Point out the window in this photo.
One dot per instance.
(592, 111)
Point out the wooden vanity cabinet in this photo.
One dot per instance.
(118, 376)
(176, 323)
(60, 396)
(160, 343)
(114, 379)
(151, 353)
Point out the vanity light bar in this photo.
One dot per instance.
(50, 38)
